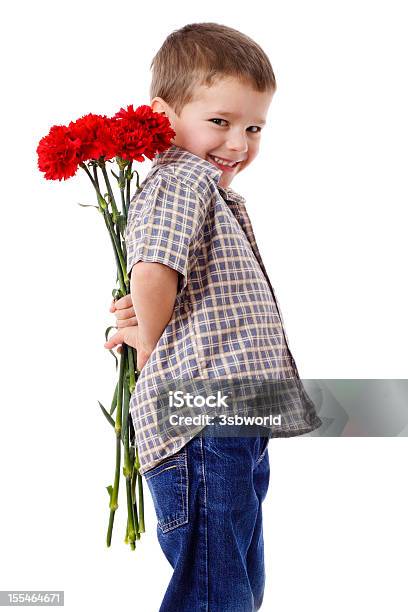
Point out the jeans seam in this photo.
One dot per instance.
(176, 465)
(151, 473)
(205, 523)
(187, 484)
(258, 461)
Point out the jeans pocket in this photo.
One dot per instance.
(168, 484)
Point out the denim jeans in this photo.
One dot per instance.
(208, 502)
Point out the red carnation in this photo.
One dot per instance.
(58, 153)
(158, 126)
(96, 135)
(132, 140)
(152, 129)
(130, 134)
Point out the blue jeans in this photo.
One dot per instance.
(208, 502)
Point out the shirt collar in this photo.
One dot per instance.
(176, 154)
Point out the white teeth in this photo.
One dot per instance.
(224, 163)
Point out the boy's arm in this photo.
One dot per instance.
(153, 288)
(164, 232)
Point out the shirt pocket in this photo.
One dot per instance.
(168, 483)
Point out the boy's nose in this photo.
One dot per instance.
(238, 143)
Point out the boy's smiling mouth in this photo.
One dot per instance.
(222, 163)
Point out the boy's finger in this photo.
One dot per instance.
(112, 342)
(125, 313)
(128, 300)
(124, 302)
(116, 339)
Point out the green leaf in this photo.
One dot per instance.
(109, 488)
(87, 205)
(107, 415)
(107, 330)
(114, 399)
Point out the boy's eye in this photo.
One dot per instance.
(215, 119)
(252, 126)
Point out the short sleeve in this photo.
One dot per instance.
(165, 226)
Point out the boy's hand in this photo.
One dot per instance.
(129, 335)
(128, 330)
(124, 311)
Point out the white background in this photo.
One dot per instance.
(327, 197)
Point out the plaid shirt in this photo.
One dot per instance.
(226, 321)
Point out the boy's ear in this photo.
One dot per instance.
(158, 105)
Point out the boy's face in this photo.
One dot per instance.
(224, 120)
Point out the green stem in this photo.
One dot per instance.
(115, 212)
(141, 503)
(96, 179)
(133, 489)
(93, 181)
(119, 267)
(132, 382)
(127, 533)
(115, 215)
(140, 492)
(114, 498)
(128, 359)
(122, 185)
(118, 426)
(131, 533)
(110, 527)
(128, 181)
(118, 421)
(128, 467)
(117, 249)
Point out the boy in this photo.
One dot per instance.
(202, 307)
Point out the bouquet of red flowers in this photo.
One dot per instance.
(90, 143)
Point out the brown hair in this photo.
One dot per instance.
(199, 53)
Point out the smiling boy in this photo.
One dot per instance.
(224, 122)
(202, 307)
